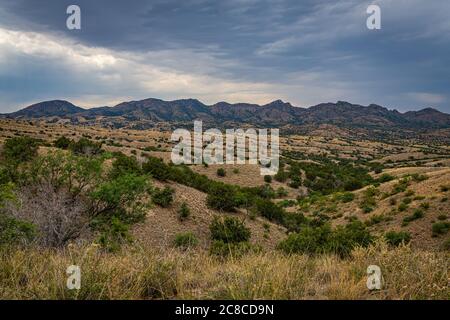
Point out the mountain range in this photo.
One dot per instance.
(148, 112)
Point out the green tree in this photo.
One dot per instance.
(20, 149)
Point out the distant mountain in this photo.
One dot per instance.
(146, 113)
(54, 108)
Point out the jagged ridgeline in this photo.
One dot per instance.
(146, 113)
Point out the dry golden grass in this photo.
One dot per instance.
(139, 273)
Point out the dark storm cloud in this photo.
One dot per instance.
(302, 51)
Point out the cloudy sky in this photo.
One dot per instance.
(302, 51)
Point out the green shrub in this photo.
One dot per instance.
(14, 231)
(322, 239)
(222, 197)
(20, 149)
(407, 200)
(446, 245)
(402, 207)
(385, 177)
(375, 219)
(267, 179)
(417, 214)
(295, 182)
(440, 228)
(308, 240)
(163, 197)
(442, 217)
(62, 143)
(270, 210)
(281, 175)
(345, 197)
(282, 192)
(156, 168)
(400, 186)
(229, 230)
(124, 165)
(419, 177)
(113, 233)
(184, 212)
(425, 205)
(86, 147)
(185, 240)
(397, 238)
(221, 172)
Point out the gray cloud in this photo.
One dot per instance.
(305, 52)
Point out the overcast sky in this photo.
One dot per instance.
(301, 51)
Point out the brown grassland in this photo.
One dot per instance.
(151, 268)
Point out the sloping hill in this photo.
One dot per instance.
(277, 113)
(54, 108)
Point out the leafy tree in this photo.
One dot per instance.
(86, 147)
(270, 210)
(229, 230)
(396, 238)
(20, 149)
(124, 165)
(157, 168)
(62, 143)
(222, 197)
(323, 239)
(163, 197)
(120, 195)
(12, 230)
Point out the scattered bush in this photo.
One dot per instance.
(385, 177)
(270, 210)
(20, 149)
(267, 179)
(417, 214)
(14, 231)
(229, 230)
(402, 207)
(184, 212)
(221, 172)
(318, 240)
(156, 168)
(282, 192)
(222, 198)
(124, 165)
(419, 177)
(86, 147)
(397, 238)
(440, 228)
(163, 197)
(62, 143)
(425, 205)
(185, 240)
(344, 197)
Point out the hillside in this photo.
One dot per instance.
(149, 112)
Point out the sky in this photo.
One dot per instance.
(301, 51)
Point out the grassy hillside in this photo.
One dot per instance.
(141, 228)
